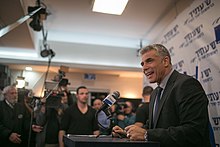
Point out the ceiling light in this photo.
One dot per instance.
(28, 68)
(20, 82)
(110, 6)
(47, 52)
(37, 24)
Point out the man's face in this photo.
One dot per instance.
(83, 95)
(97, 104)
(12, 96)
(129, 108)
(154, 66)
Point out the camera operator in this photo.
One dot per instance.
(62, 88)
(49, 117)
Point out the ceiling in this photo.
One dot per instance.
(84, 40)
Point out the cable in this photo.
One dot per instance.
(49, 61)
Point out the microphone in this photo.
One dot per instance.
(110, 100)
(103, 114)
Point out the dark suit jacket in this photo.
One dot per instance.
(13, 120)
(182, 119)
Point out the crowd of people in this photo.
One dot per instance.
(50, 123)
(174, 114)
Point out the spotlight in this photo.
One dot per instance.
(37, 18)
(36, 24)
(46, 53)
(20, 82)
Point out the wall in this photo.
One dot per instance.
(128, 87)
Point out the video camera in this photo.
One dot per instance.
(56, 88)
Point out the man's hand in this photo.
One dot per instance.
(37, 128)
(15, 138)
(118, 132)
(121, 117)
(135, 133)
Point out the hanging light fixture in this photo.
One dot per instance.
(47, 52)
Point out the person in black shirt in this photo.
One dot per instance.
(48, 117)
(79, 119)
(142, 113)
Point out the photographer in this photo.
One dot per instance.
(49, 116)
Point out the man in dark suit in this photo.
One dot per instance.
(13, 120)
(178, 117)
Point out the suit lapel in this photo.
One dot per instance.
(166, 93)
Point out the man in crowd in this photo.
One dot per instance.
(14, 121)
(97, 104)
(79, 119)
(48, 117)
(178, 113)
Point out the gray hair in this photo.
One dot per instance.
(161, 50)
(7, 89)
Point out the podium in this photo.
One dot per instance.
(104, 141)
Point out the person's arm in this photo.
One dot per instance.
(7, 134)
(41, 116)
(61, 134)
(37, 128)
(118, 132)
(134, 132)
(15, 138)
(142, 114)
(4, 131)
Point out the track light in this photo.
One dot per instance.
(36, 24)
(38, 17)
(47, 52)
